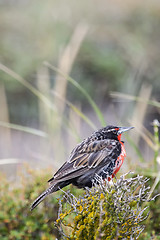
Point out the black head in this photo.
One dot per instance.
(113, 132)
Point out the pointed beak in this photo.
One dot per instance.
(124, 129)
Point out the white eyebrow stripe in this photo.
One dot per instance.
(110, 130)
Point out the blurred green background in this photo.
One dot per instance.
(109, 48)
(105, 46)
(111, 51)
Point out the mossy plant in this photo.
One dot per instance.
(111, 207)
(16, 220)
(110, 210)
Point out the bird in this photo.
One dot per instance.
(101, 154)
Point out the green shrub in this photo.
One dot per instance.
(153, 222)
(16, 219)
(149, 236)
(105, 212)
(100, 213)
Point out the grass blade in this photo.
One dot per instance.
(37, 93)
(134, 98)
(9, 161)
(154, 185)
(76, 110)
(83, 91)
(136, 149)
(23, 129)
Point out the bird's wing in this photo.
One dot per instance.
(85, 156)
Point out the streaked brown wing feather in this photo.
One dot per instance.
(95, 158)
(81, 161)
(68, 169)
(85, 156)
(90, 147)
(73, 173)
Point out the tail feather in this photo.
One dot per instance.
(49, 190)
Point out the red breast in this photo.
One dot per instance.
(120, 160)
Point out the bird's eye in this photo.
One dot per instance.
(114, 132)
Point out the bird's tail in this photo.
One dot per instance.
(49, 190)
